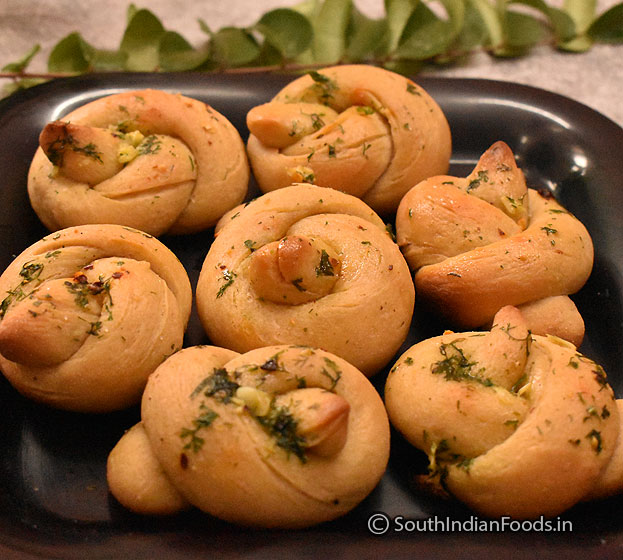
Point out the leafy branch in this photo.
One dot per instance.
(316, 33)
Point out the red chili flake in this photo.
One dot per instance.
(117, 274)
(270, 365)
(183, 461)
(501, 232)
(80, 278)
(88, 267)
(391, 267)
(96, 288)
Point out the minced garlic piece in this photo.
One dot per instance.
(256, 400)
(127, 148)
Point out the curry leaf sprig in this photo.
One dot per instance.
(314, 33)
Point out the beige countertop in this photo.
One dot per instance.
(594, 78)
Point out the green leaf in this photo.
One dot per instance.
(565, 28)
(520, 30)
(561, 22)
(17, 85)
(335, 31)
(70, 54)
(398, 14)
(141, 41)
(204, 27)
(425, 35)
(523, 31)
(22, 63)
(365, 37)
(269, 56)
(130, 13)
(177, 54)
(107, 61)
(582, 12)
(234, 47)
(456, 15)
(578, 44)
(330, 25)
(456, 12)
(287, 30)
(608, 27)
(308, 8)
(491, 20)
(474, 31)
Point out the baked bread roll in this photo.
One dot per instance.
(513, 424)
(282, 436)
(479, 243)
(307, 265)
(88, 313)
(358, 129)
(151, 160)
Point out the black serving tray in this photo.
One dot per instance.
(54, 501)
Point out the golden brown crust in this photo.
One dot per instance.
(359, 129)
(611, 480)
(307, 265)
(281, 436)
(556, 315)
(155, 161)
(88, 313)
(514, 424)
(479, 243)
(136, 478)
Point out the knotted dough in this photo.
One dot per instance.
(358, 129)
(284, 436)
(155, 161)
(514, 424)
(88, 313)
(479, 243)
(307, 265)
